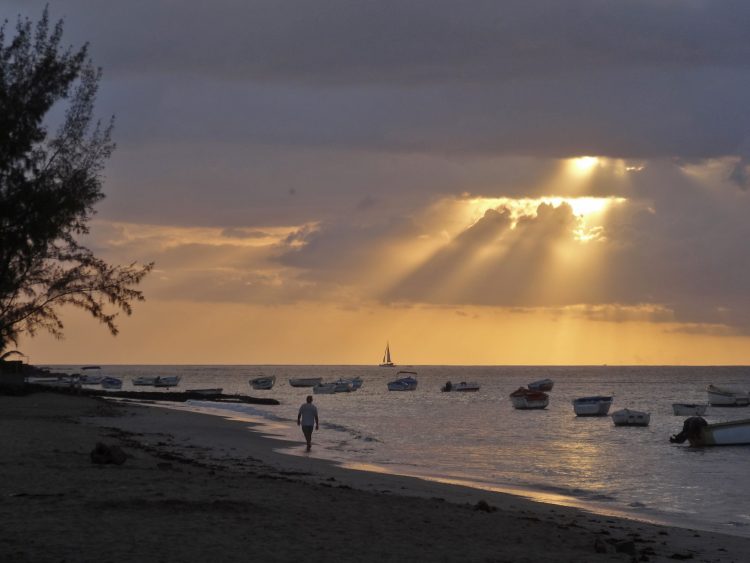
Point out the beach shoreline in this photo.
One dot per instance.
(281, 442)
(192, 479)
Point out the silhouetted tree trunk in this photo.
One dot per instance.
(49, 184)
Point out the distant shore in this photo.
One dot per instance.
(195, 486)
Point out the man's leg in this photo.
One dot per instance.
(307, 431)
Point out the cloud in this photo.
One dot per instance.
(640, 79)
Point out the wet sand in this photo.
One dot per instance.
(197, 487)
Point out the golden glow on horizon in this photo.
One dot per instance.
(181, 332)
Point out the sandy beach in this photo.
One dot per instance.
(195, 486)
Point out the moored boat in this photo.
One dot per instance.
(206, 392)
(263, 383)
(111, 383)
(541, 385)
(61, 381)
(405, 381)
(342, 386)
(689, 409)
(354, 382)
(87, 379)
(167, 381)
(727, 397)
(627, 417)
(464, 386)
(529, 399)
(324, 388)
(597, 405)
(145, 380)
(700, 433)
(305, 381)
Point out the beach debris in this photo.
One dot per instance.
(103, 454)
(484, 506)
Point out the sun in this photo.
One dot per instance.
(584, 164)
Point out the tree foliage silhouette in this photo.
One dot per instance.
(49, 184)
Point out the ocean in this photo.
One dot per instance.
(478, 439)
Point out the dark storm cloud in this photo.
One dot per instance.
(638, 79)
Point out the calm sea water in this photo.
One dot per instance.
(480, 440)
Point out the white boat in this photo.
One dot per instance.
(87, 379)
(463, 386)
(528, 399)
(627, 417)
(592, 406)
(263, 382)
(343, 387)
(145, 380)
(700, 433)
(167, 381)
(111, 383)
(90, 379)
(305, 381)
(324, 389)
(208, 392)
(387, 363)
(727, 397)
(354, 382)
(405, 381)
(689, 409)
(541, 385)
(62, 381)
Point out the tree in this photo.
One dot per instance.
(49, 184)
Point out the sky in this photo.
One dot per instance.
(475, 182)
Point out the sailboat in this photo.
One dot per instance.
(387, 363)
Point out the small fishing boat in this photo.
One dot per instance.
(689, 409)
(700, 433)
(111, 383)
(305, 381)
(464, 386)
(342, 387)
(727, 397)
(167, 381)
(145, 380)
(87, 379)
(61, 381)
(405, 381)
(387, 363)
(528, 399)
(263, 383)
(354, 382)
(627, 417)
(206, 392)
(592, 406)
(541, 385)
(324, 389)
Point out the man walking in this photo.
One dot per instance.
(307, 415)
